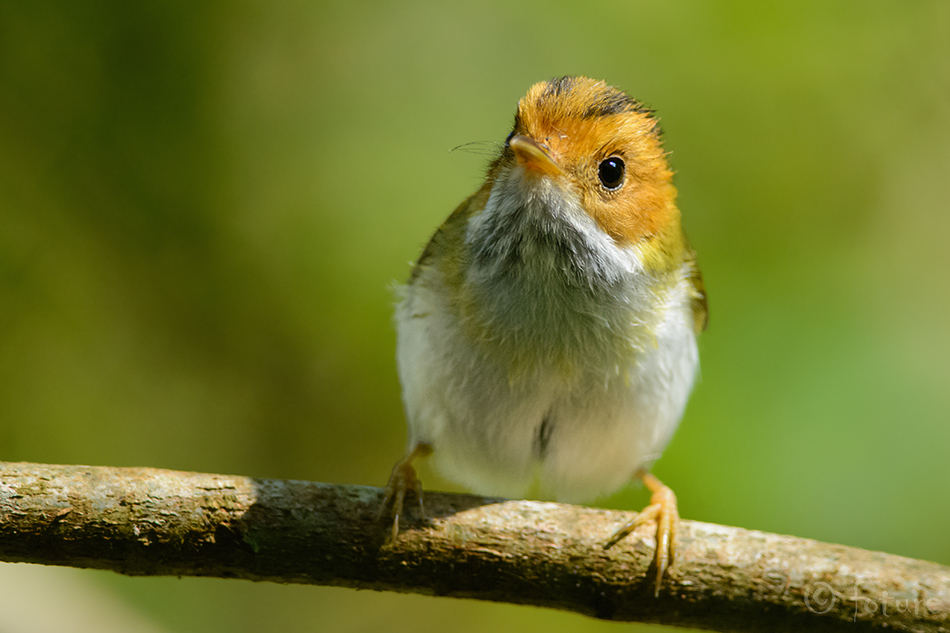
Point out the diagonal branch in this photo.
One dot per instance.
(142, 521)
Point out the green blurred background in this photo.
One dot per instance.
(204, 208)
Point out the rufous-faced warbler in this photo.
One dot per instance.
(547, 335)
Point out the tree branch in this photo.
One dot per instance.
(142, 521)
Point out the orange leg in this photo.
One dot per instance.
(662, 509)
(402, 480)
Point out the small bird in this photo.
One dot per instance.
(547, 334)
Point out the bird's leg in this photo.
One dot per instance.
(402, 480)
(662, 509)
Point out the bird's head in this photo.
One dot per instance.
(578, 143)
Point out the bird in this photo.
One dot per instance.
(547, 335)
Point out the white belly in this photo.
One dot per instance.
(577, 432)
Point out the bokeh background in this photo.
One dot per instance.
(204, 208)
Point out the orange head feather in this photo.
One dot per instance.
(584, 133)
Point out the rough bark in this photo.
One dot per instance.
(142, 521)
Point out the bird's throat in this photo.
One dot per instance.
(546, 287)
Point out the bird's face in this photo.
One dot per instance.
(580, 144)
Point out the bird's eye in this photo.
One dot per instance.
(611, 172)
(508, 140)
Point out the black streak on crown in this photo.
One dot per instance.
(608, 101)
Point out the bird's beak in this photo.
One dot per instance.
(532, 156)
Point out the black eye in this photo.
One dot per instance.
(611, 172)
(508, 140)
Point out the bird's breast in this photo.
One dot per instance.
(546, 288)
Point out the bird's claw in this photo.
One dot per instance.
(663, 511)
(403, 480)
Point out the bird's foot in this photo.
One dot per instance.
(662, 509)
(403, 480)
